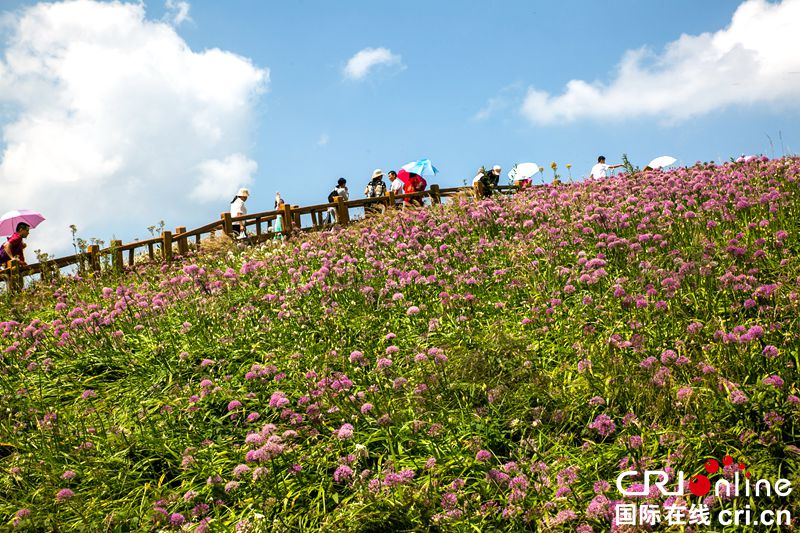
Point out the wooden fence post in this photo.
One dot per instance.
(435, 197)
(183, 245)
(342, 213)
(14, 280)
(287, 219)
(296, 222)
(116, 255)
(166, 246)
(392, 201)
(94, 257)
(227, 225)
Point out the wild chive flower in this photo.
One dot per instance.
(770, 351)
(774, 380)
(64, 495)
(342, 473)
(684, 393)
(601, 486)
(278, 400)
(449, 500)
(482, 456)
(604, 425)
(345, 432)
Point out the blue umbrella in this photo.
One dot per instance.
(421, 167)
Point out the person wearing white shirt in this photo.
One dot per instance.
(600, 170)
(396, 185)
(238, 209)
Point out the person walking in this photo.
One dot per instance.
(600, 170)
(14, 247)
(238, 209)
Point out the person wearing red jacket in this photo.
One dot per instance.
(412, 183)
(14, 246)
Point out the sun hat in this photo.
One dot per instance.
(377, 173)
(497, 168)
(243, 192)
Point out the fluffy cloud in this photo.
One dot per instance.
(367, 59)
(753, 60)
(222, 177)
(177, 11)
(115, 122)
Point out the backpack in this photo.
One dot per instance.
(332, 196)
(375, 190)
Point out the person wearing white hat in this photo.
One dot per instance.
(376, 188)
(237, 210)
(494, 175)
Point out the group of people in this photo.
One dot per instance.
(483, 185)
(402, 183)
(238, 209)
(399, 183)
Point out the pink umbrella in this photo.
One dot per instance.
(9, 221)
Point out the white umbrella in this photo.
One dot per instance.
(663, 161)
(523, 171)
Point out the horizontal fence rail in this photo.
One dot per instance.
(259, 227)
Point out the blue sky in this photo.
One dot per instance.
(454, 89)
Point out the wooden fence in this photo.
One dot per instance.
(259, 226)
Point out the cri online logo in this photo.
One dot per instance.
(700, 484)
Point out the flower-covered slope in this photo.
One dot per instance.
(489, 365)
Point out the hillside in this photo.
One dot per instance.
(476, 366)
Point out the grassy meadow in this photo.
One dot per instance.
(477, 366)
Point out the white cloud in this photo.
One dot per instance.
(117, 122)
(367, 59)
(323, 140)
(177, 11)
(508, 96)
(219, 179)
(753, 60)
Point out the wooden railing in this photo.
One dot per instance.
(170, 244)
